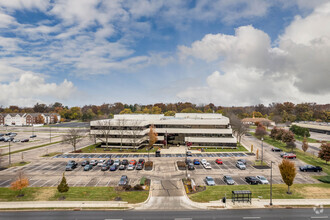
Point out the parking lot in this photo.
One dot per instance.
(48, 172)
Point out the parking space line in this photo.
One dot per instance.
(108, 182)
(46, 182)
(35, 182)
(98, 182)
(88, 182)
(3, 183)
(77, 182)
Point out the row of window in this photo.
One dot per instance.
(185, 135)
(159, 126)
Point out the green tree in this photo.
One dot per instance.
(288, 172)
(63, 186)
(126, 111)
(324, 152)
(156, 110)
(88, 115)
(169, 113)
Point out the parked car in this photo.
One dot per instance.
(209, 181)
(12, 134)
(113, 167)
(16, 140)
(88, 167)
(109, 162)
(228, 180)
(124, 162)
(188, 161)
(25, 140)
(69, 167)
(100, 163)
(218, 161)
(133, 162)
(189, 154)
(191, 166)
(157, 154)
(1, 134)
(207, 165)
(310, 168)
(94, 162)
(141, 161)
(275, 149)
(2, 138)
(33, 136)
(84, 163)
(105, 167)
(197, 162)
(251, 180)
(262, 180)
(242, 160)
(130, 167)
(122, 167)
(203, 161)
(289, 156)
(240, 165)
(116, 162)
(139, 166)
(123, 180)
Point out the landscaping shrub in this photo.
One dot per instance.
(138, 187)
(303, 132)
(63, 186)
(324, 179)
(181, 164)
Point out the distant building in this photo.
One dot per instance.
(252, 121)
(23, 119)
(193, 129)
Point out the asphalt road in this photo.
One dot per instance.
(276, 214)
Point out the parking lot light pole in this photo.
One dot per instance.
(186, 162)
(9, 153)
(262, 151)
(271, 183)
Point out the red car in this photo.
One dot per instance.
(133, 162)
(218, 161)
(289, 156)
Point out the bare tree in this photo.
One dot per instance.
(135, 131)
(239, 128)
(72, 137)
(92, 137)
(121, 124)
(105, 129)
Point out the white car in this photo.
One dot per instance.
(16, 140)
(207, 165)
(203, 161)
(240, 165)
(117, 163)
(100, 163)
(130, 167)
(262, 179)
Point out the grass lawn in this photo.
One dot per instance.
(309, 140)
(30, 148)
(22, 163)
(74, 194)
(95, 148)
(299, 191)
(51, 154)
(239, 148)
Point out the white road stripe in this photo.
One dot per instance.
(35, 182)
(319, 217)
(251, 217)
(45, 182)
(98, 182)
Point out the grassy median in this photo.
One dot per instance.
(96, 148)
(74, 194)
(299, 191)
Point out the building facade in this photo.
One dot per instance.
(25, 119)
(195, 129)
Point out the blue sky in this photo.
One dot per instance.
(228, 52)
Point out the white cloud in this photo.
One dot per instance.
(30, 88)
(253, 71)
(41, 5)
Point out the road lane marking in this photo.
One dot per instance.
(318, 217)
(251, 217)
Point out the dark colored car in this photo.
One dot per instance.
(139, 166)
(113, 168)
(251, 180)
(157, 153)
(229, 180)
(2, 138)
(88, 167)
(123, 180)
(197, 162)
(70, 167)
(310, 168)
(242, 160)
(84, 163)
(189, 154)
(74, 163)
(33, 136)
(109, 162)
(275, 149)
(25, 140)
(191, 166)
(141, 161)
(124, 162)
(122, 167)
(188, 161)
(105, 167)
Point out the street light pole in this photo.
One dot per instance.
(9, 153)
(186, 164)
(50, 134)
(271, 183)
(262, 150)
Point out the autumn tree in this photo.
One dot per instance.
(304, 145)
(63, 186)
(40, 119)
(153, 137)
(260, 131)
(288, 138)
(55, 119)
(288, 172)
(72, 137)
(156, 110)
(169, 113)
(126, 111)
(324, 152)
(20, 183)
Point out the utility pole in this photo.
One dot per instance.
(50, 134)
(271, 183)
(9, 153)
(262, 151)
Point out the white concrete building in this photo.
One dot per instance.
(197, 129)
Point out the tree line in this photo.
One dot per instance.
(278, 112)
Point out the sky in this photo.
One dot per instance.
(226, 52)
